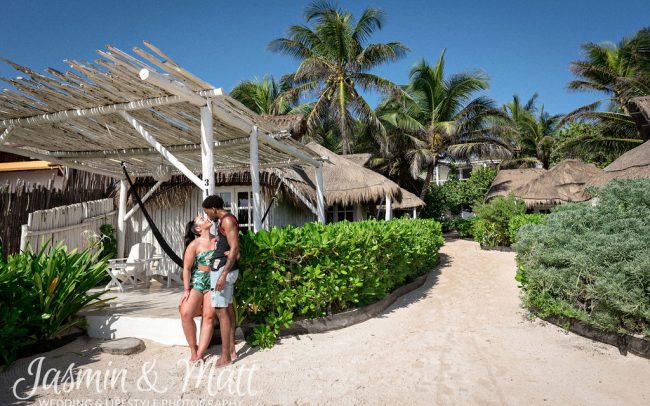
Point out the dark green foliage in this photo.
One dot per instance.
(455, 195)
(306, 272)
(516, 222)
(40, 293)
(108, 241)
(592, 262)
(491, 228)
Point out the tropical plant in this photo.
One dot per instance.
(590, 261)
(41, 293)
(438, 117)
(314, 270)
(520, 220)
(262, 96)
(491, 228)
(620, 72)
(533, 134)
(335, 63)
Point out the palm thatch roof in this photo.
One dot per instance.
(409, 201)
(294, 124)
(635, 163)
(565, 182)
(508, 180)
(360, 159)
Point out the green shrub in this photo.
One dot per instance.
(516, 222)
(465, 227)
(591, 261)
(108, 241)
(40, 293)
(310, 271)
(491, 228)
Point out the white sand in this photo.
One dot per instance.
(462, 338)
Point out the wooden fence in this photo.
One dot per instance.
(16, 206)
(76, 225)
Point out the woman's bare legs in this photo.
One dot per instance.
(207, 325)
(187, 310)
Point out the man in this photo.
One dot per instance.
(224, 274)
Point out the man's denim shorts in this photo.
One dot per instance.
(222, 298)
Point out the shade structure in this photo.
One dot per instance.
(77, 118)
(507, 180)
(635, 163)
(565, 182)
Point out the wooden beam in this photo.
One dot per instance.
(121, 222)
(389, 208)
(320, 196)
(295, 191)
(207, 150)
(255, 181)
(287, 149)
(99, 111)
(146, 197)
(173, 87)
(5, 135)
(161, 149)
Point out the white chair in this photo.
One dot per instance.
(162, 268)
(135, 268)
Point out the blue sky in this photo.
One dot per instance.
(523, 46)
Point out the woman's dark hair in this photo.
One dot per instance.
(213, 202)
(190, 234)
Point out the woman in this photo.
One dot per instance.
(199, 248)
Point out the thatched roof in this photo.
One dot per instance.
(508, 180)
(409, 201)
(565, 182)
(635, 163)
(345, 181)
(359, 159)
(295, 124)
(639, 109)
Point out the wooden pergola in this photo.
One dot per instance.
(148, 113)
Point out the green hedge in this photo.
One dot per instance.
(491, 227)
(591, 261)
(519, 221)
(307, 272)
(40, 293)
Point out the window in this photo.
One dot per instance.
(340, 213)
(242, 205)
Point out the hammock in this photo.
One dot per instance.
(156, 233)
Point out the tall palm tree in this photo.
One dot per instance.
(620, 72)
(335, 63)
(533, 135)
(439, 117)
(262, 96)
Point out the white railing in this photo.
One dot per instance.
(76, 225)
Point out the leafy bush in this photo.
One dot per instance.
(108, 241)
(516, 222)
(462, 226)
(491, 228)
(453, 196)
(310, 271)
(40, 293)
(591, 261)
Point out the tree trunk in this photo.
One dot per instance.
(427, 180)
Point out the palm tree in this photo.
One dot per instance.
(619, 71)
(533, 135)
(335, 61)
(439, 117)
(262, 96)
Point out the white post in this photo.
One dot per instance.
(255, 180)
(437, 176)
(415, 212)
(320, 195)
(389, 208)
(207, 154)
(146, 197)
(121, 224)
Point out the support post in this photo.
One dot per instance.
(437, 176)
(144, 199)
(207, 153)
(121, 223)
(389, 208)
(320, 195)
(161, 149)
(415, 212)
(255, 180)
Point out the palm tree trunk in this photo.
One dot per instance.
(427, 179)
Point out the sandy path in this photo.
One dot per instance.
(462, 338)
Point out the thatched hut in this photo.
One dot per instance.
(635, 163)
(565, 182)
(639, 108)
(508, 180)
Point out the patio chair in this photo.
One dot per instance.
(165, 271)
(135, 268)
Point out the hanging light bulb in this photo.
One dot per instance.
(162, 173)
